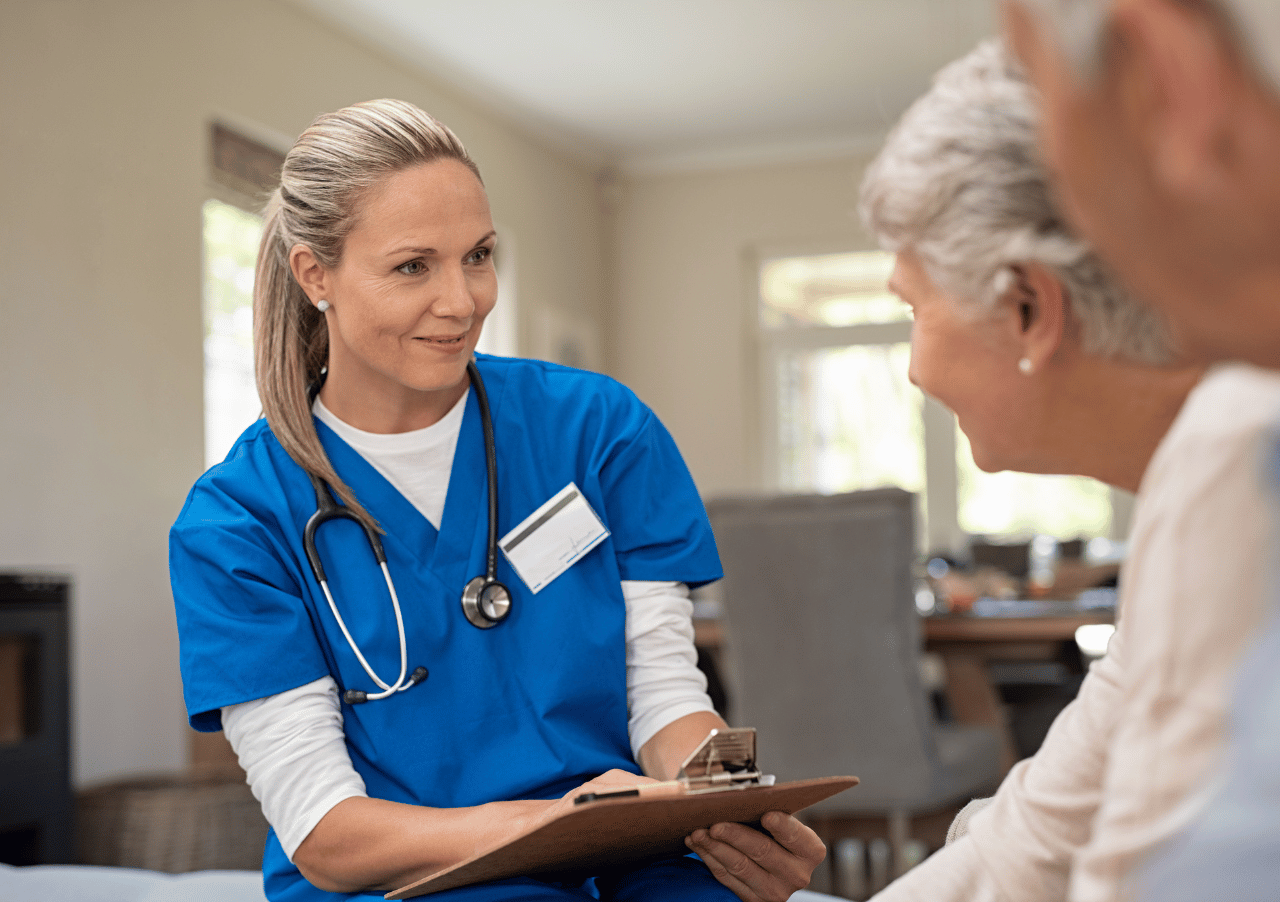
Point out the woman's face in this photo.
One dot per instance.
(965, 358)
(411, 292)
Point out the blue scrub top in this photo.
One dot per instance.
(528, 709)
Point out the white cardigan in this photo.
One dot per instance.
(1126, 765)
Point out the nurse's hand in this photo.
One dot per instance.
(759, 867)
(609, 781)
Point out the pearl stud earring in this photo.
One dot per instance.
(322, 305)
(1024, 366)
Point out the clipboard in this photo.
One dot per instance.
(719, 782)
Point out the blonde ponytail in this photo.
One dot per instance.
(330, 168)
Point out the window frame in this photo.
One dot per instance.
(938, 520)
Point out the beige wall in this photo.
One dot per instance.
(682, 332)
(105, 109)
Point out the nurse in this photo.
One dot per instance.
(374, 278)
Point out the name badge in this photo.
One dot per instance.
(551, 539)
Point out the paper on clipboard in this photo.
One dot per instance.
(624, 828)
(726, 759)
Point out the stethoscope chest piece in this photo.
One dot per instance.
(485, 602)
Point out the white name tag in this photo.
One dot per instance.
(552, 538)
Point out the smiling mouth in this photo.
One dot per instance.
(444, 342)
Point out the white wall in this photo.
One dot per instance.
(105, 109)
(682, 332)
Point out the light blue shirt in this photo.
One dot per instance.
(1232, 851)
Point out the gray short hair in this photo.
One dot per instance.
(961, 182)
(1080, 29)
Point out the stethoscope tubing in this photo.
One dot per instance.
(400, 684)
(328, 509)
(491, 470)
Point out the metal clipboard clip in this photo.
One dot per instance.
(725, 760)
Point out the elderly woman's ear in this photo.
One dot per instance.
(1036, 299)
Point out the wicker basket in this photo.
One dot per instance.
(172, 824)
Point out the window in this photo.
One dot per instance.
(840, 413)
(1021, 504)
(242, 172)
(231, 403)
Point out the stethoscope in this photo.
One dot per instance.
(486, 602)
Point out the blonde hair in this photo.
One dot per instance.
(326, 174)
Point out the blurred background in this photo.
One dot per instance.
(674, 184)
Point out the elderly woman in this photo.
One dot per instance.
(1046, 362)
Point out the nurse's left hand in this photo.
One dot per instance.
(759, 867)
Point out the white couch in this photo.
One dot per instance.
(85, 883)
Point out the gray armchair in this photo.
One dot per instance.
(822, 652)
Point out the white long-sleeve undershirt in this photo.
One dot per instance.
(292, 745)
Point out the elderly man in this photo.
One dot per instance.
(1162, 125)
(1162, 122)
(960, 193)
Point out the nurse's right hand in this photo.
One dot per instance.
(610, 781)
(364, 843)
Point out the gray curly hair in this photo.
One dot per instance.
(961, 182)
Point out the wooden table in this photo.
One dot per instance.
(969, 644)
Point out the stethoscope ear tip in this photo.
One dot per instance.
(359, 696)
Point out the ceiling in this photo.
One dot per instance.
(657, 85)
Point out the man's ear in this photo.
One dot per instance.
(1179, 82)
(1039, 304)
(309, 273)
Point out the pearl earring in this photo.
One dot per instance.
(1024, 366)
(322, 305)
